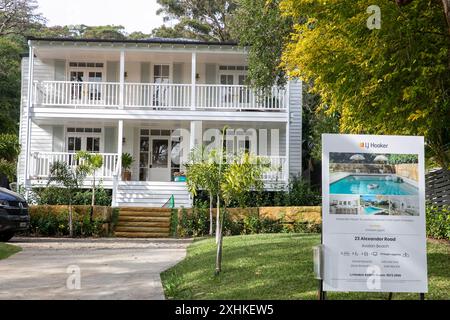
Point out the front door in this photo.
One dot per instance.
(160, 162)
(154, 155)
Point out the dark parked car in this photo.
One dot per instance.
(14, 215)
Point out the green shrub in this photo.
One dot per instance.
(298, 193)
(251, 224)
(173, 222)
(52, 223)
(52, 195)
(438, 222)
(196, 224)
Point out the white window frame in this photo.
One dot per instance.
(84, 136)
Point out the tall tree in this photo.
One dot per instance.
(393, 80)
(197, 19)
(9, 85)
(17, 16)
(259, 25)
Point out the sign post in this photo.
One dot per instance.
(373, 213)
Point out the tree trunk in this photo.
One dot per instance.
(220, 246)
(70, 220)
(211, 214)
(93, 199)
(217, 219)
(446, 8)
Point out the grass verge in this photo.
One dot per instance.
(276, 266)
(7, 250)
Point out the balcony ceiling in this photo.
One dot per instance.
(139, 56)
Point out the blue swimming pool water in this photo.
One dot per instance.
(359, 185)
(371, 210)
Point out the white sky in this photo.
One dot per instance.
(134, 15)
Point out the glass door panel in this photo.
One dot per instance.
(144, 163)
(95, 79)
(160, 153)
(93, 144)
(73, 146)
(227, 95)
(244, 93)
(76, 89)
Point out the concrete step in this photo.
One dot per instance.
(165, 224)
(142, 235)
(143, 229)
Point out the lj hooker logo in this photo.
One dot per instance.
(372, 145)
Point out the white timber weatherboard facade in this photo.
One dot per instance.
(137, 97)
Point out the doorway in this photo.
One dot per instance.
(86, 81)
(154, 155)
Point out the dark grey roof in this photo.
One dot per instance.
(151, 40)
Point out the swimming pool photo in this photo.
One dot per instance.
(373, 184)
(374, 205)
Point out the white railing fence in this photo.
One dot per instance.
(239, 97)
(67, 93)
(42, 161)
(154, 95)
(158, 96)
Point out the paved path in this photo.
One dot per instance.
(109, 268)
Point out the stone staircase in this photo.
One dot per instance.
(143, 222)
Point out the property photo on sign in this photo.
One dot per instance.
(373, 213)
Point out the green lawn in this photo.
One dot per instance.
(276, 266)
(7, 250)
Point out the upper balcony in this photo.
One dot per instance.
(158, 78)
(157, 96)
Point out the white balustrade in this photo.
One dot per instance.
(239, 97)
(160, 96)
(77, 94)
(42, 161)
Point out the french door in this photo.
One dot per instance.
(81, 91)
(229, 95)
(83, 142)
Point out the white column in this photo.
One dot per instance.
(288, 132)
(196, 133)
(193, 79)
(288, 156)
(122, 79)
(119, 148)
(28, 115)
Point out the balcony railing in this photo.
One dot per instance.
(76, 94)
(158, 96)
(42, 161)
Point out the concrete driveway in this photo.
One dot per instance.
(88, 268)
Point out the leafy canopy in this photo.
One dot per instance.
(394, 80)
(197, 19)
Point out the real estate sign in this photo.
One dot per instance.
(373, 213)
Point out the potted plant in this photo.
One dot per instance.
(127, 161)
(179, 176)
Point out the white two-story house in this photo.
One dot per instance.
(141, 97)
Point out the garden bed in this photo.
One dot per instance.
(53, 220)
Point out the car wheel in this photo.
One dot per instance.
(6, 236)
